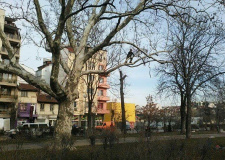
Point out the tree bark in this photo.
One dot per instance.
(182, 113)
(64, 120)
(89, 114)
(122, 102)
(188, 117)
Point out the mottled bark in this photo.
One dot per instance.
(64, 119)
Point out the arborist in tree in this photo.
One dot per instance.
(130, 56)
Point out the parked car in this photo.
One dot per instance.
(128, 128)
(30, 129)
(105, 125)
(77, 130)
(11, 133)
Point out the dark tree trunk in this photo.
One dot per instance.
(93, 120)
(217, 119)
(188, 117)
(182, 113)
(89, 114)
(122, 102)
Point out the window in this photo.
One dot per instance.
(5, 61)
(100, 105)
(51, 107)
(23, 107)
(100, 93)
(101, 80)
(91, 65)
(10, 77)
(42, 107)
(33, 125)
(101, 67)
(91, 77)
(5, 91)
(100, 57)
(43, 125)
(75, 106)
(6, 76)
(24, 94)
(90, 90)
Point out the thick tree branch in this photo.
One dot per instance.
(42, 24)
(28, 77)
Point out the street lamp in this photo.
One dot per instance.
(85, 96)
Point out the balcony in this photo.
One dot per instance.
(102, 111)
(4, 113)
(103, 85)
(13, 37)
(103, 98)
(8, 82)
(5, 52)
(8, 98)
(10, 26)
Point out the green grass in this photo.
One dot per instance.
(22, 139)
(173, 149)
(165, 133)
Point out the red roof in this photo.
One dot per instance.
(70, 49)
(27, 87)
(44, 98)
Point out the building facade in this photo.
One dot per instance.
(115, 114)
(47, 109)
(27, 103)
(97, 92)
(8, 81)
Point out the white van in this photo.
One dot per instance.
(34, 129)
(35, 125)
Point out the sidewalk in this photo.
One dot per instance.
(86, 142)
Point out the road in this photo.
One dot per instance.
(86, 142)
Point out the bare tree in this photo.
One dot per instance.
(195, 53)
(91, 81)
(170, 84)
(81, 24)
(122, 78)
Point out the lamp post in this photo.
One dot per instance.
(85, 96)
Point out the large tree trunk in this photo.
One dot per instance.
(64, 120)
(188, 117)
(122, 103)
(182, 113)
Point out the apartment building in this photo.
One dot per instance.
(98, 89)
(8, 81)
(47, 109)
(27, 103)
(115, 114)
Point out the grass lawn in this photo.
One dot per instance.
(22, 139)
(166, 133)
(157, 150)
